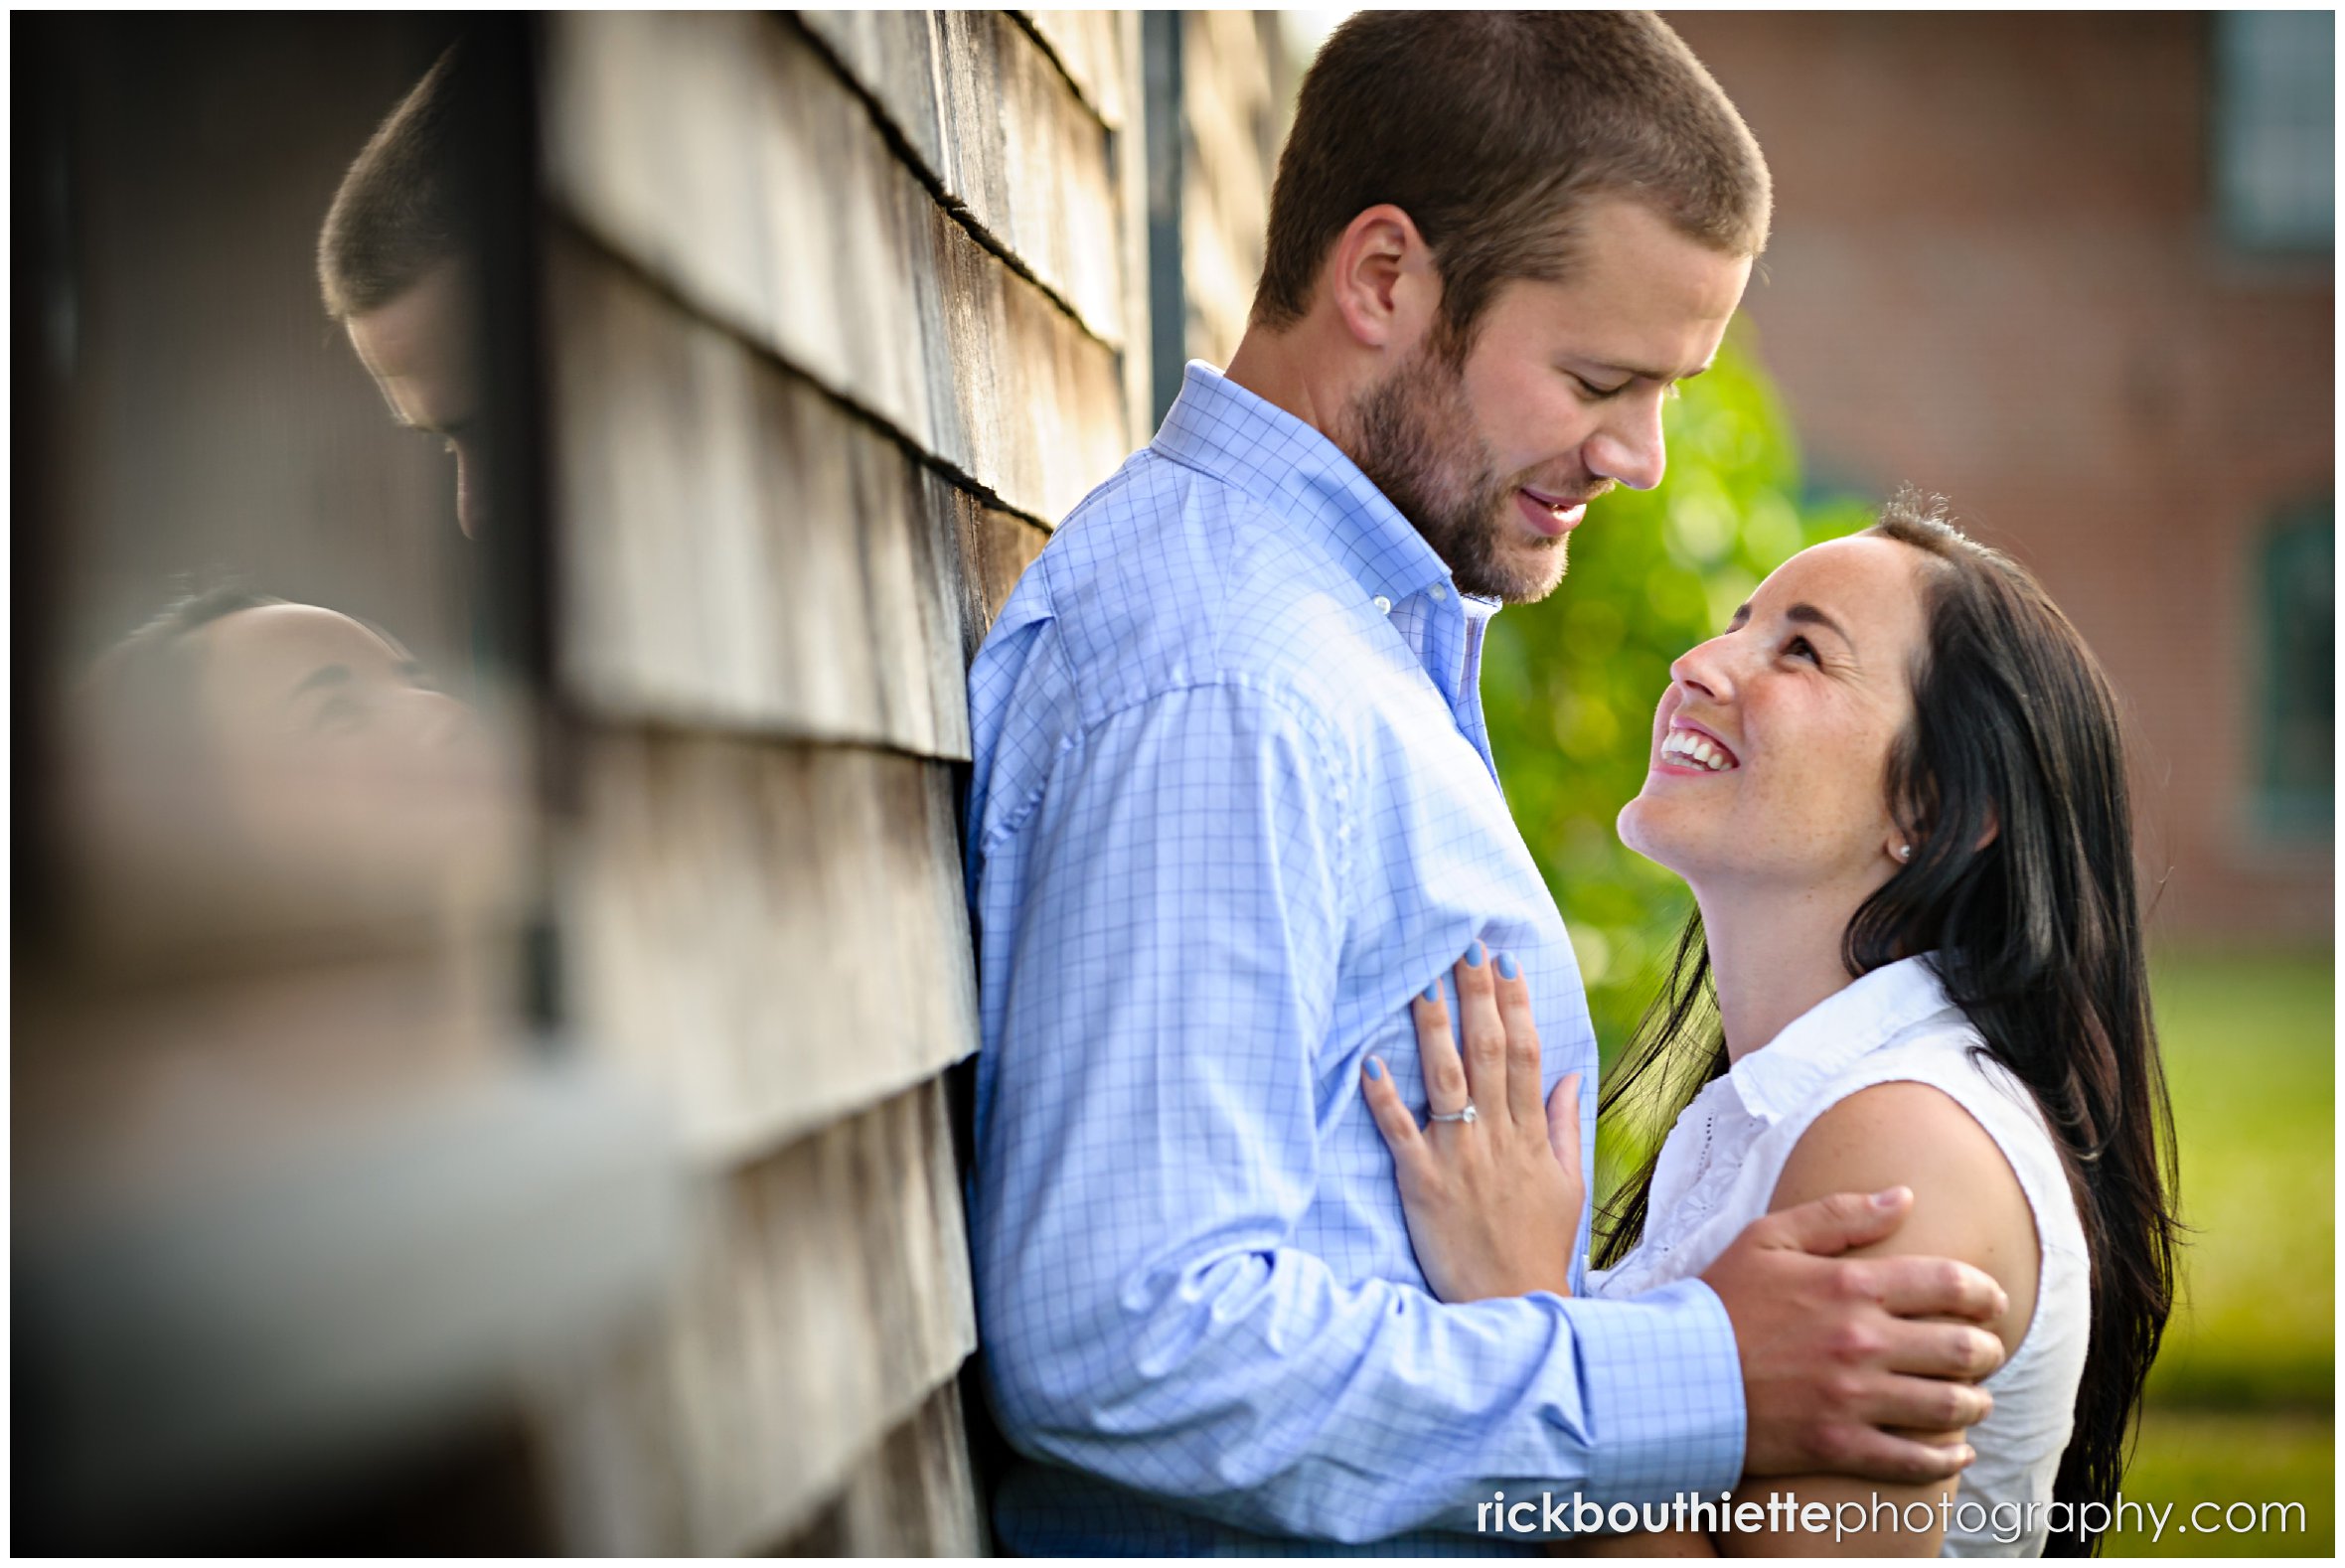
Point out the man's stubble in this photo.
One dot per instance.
(1413, 436)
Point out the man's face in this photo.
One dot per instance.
(1559, 398)
(419, 347)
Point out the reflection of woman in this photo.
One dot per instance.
(249, 765)
(1896, 786)
(271, 798)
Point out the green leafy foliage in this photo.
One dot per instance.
(1569, 684)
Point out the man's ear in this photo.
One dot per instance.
(1382, 280)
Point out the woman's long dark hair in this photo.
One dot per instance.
(2012, 785)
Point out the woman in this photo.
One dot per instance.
(246, 769)
(1896, 787)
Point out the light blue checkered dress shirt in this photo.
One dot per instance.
(1233, 806)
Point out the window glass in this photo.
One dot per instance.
(2297, 618)
(2276, 150)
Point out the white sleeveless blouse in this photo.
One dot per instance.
(1718, 1172)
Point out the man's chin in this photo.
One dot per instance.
(1524, 577)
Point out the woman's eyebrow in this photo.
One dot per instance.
(1804, 613)
(1808, 615)
(323, 676)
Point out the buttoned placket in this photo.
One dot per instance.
(1447, 640)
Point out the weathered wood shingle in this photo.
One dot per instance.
(843, 318)
(829, 1304)
(989, 120)
(778, 932)
(722, 154)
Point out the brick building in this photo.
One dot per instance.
(2075, 271)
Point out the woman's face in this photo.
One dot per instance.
(1770, 749)
(334, 756)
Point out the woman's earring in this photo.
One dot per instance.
(1905, 852)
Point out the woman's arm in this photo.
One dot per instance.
(1968, 1204)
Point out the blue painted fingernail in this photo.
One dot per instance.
(1433, 992)
(1507, 969)
(1375, 1069)
(1474, 956)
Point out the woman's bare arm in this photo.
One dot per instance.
(1968, 1204)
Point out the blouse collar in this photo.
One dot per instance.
(1838, 1031)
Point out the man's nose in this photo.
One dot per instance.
(1629, 446)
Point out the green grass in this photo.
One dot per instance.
(2241, 1399)
(2190, 1457)
(2249, 1045)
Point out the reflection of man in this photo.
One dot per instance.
(396, 272)
(1233, 806)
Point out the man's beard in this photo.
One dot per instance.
(1412, 435)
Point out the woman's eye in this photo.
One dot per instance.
(336, 715)
(1591, 389)
(1801, 648)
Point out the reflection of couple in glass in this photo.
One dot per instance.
(299, 745)
(1281, 1192)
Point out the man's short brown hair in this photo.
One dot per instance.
(395, 215)
(1491, 130)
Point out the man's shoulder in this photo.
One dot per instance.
(1167, 578)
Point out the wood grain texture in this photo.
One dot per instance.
(739, 550)
(725, 156)
(828, 1305)
(1006, 547)
(1131, 177)
(777, 933)
(1100, 53)
(993, 123)
(1234, 123)
(913, 1498)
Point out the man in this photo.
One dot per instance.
(1233, 806)
(395, 270)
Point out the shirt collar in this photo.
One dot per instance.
(1220, 428)
(1835, 1034)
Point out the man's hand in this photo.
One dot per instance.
(1834, 1350)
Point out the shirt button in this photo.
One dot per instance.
(1440, 593)
(1384, 605)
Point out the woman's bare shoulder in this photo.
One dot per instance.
(1967, 1201)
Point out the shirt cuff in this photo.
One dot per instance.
(1664, 1385)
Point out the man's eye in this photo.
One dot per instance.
(1801, 648)
(1591, 389)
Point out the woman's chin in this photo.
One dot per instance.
(1641, 830)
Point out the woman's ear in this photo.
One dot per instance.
(1382, 280)
(1900, 844)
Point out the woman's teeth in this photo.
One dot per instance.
(1690, 749)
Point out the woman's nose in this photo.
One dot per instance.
(438, 723)
(1703, 668)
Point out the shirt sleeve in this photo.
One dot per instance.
(1149, 1147)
